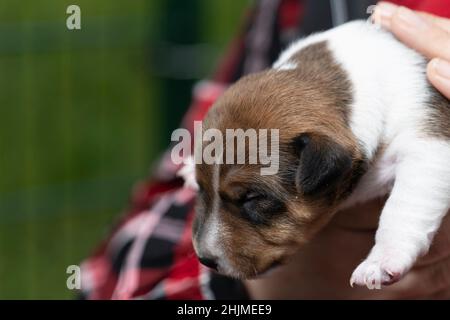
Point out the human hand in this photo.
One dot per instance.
(426, 33)
(429, 278)
(322, 269)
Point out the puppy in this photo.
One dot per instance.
(357, 120)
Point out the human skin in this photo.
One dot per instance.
(428, 34)
(322, 268)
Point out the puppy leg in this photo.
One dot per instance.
(419, 200)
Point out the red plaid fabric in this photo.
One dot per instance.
(149, 254)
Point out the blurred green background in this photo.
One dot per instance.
(83, 115)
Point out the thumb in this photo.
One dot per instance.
(420, 34)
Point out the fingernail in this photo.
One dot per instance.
(383, 13)
(410, 19)
(442, 68)
(385, 9)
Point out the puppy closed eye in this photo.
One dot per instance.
(239, 197)
(252, 196)
(259, 208)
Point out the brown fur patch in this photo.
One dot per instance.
(316, 64)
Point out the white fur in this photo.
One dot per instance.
(187, 172)
(210, 244)
(390, 93)
(286, 66)
(211, 235)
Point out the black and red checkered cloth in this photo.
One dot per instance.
(149, 254)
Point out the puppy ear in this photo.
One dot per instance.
(323, 163)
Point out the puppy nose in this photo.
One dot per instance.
(209, 262)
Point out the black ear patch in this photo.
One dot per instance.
(323, 164)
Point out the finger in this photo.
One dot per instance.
(440, 22)
(419, 34)
(438, 72)
(383, 13)
(415, 30)
(385, 10)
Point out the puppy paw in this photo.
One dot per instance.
(375, 273)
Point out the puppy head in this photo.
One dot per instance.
(246, 222)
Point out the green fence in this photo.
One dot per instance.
(83, 114)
